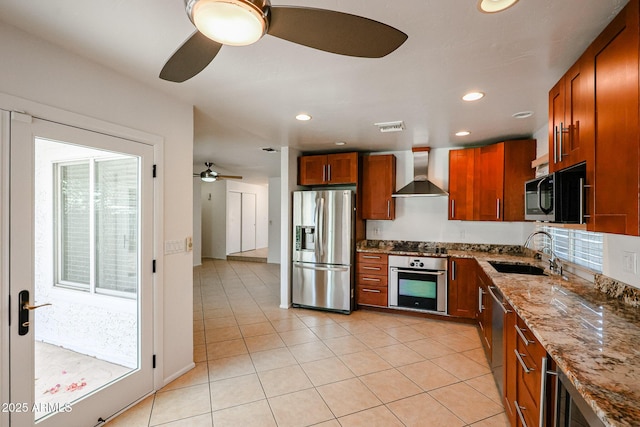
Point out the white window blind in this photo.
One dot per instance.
(579, 247)
(97, 211)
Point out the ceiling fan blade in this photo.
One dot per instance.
(228, 176)
(334, 32)
(190, 58)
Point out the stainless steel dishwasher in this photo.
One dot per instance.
(498, 311)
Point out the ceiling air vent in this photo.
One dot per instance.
(391, 126)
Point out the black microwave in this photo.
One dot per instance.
(557, 197)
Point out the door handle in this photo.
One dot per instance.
(23, 312)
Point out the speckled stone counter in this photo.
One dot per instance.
(593, 336)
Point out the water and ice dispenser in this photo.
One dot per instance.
(305, 238)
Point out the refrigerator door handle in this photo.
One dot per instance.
(321, 226)
(316, 220)
(320, 268)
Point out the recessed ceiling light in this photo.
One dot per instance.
(463, 133)
(522, 115)
(493, 6)
(473, 96)
(303, 117)
(340, 143)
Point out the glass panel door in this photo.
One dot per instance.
(80, 281)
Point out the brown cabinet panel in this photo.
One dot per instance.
(372, 279)
(571, 115)
(509, 395)
(461, 184)
(484, 310)
(614, 170)
(341, 168)
(487, 183)
(378, 185)
(463, 291)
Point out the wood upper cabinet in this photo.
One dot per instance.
(487, 183)
(613, 168)
(463, 291)
(378, 185)
(571, 116)
(340, 168)
(461, 184)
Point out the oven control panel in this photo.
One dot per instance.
(418, 263)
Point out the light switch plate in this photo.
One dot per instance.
(629, 262)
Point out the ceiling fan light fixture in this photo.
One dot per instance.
(229, 22)
(493, 6)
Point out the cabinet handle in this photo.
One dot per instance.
(371, 257)
(453, 270)
(373, 291)
(561, 141)
(581, 200)
(324, 173)
(369, 279)
(371, 268)
(480, 306)
(520, 332)
(524, 365)
(519, 410)
(555, 144)
(497, 208)
(329, 173)
(388, 208)
(453, 209)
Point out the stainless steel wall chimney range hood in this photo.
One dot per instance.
(420, 186)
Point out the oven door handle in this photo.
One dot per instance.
(424, 272)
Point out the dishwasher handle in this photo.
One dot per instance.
(492, 290)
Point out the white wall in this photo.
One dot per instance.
(289, 184)
(425, 218)
(275, 226)
(214, 215)
(214, 219)
(197, 222)
(37, 71)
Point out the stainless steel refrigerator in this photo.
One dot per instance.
(323, 246)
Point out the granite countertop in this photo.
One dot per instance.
(593, 337)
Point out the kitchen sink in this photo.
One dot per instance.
(506, 267)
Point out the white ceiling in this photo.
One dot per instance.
(248, 96)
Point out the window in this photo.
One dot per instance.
(97, 232)
(579, 247)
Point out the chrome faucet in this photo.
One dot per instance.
(554, 262)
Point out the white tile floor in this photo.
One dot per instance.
(259, 365)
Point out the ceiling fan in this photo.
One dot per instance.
(243, 22)
(211, 176)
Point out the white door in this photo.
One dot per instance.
(248, 222)
(234, 222)
(81, 225)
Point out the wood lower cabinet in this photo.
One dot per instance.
(509, 393)
(487, 183)
(372, 279)
(378, 186)
(463, 290)
(339, 168)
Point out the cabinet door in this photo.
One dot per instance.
(312, 170)
(579, 113)
(463, 291)
(556, 122)
(484, 311)
(489, 183)
(379, 177)
(615, 169)
(518, 155)
(342, 168)
(461, 178)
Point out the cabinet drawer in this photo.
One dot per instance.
(372, 295)
(372, 280)
(369, 258)
(372, 269)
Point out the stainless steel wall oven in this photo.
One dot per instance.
(418, 283)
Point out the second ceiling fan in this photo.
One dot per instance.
(211, 176)
(243, 22)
